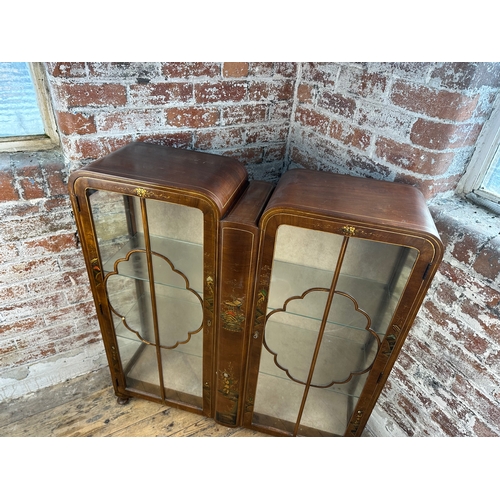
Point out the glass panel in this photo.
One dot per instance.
(140, 366)
(19, 112)
(163, 320)
(131, 306)
(185, 360)
(372, 279)
(184, 223)
(113, 219)
(326, 411)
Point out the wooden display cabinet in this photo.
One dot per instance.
(281, 310)
(149, 224)
(344, 264)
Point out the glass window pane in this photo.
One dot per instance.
(19, 112)
(491, 182)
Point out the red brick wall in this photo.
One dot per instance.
(415, 123)
(235, 109)
(405, 122)
(446, 381)
(48, 328)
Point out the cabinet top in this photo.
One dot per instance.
(217, 177)
(357, 199)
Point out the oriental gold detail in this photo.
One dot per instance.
(249, 403)
(349, 230)
(391, 342)
(142, 192)
(227, 382)
(96, 270)
(114, 357)
(209, 293)
(232, 315)
(356, 421)
(260, 310)
(265, 277)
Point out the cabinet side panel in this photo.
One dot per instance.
(239, 247)
(236, 284)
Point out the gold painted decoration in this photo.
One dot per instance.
(249, 404)
(349, 230)
(232, 315)
(143, 193)
(356, 421)
(209, 294)
(96, 271)
(227, 380)
(391, 342)
(265, 276)
(260, 310)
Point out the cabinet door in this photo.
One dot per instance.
(153, 266)
(325, 304)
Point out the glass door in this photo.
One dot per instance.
(152, 270)
(329, 304)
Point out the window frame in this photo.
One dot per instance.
(50, 139)
(487, 145)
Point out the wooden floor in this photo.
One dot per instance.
(86, 406)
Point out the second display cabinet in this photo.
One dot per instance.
(344, 264)
(282, 311)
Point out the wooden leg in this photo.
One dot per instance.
(122, 400)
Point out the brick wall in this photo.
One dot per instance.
(446, 381)
(48, 328)
(235, 109)
(415, 123)
(407, 122)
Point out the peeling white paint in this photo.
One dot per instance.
(25, 380)
(381, 426)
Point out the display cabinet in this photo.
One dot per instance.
(344, 264)
(281, 309)
(148, 218)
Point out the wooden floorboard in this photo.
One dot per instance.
(86, 406)
(52, 397)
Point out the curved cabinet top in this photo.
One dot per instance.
(217, 178)
(378, 203)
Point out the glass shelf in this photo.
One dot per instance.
(338, 357)
(186, 257)
(373, 297)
